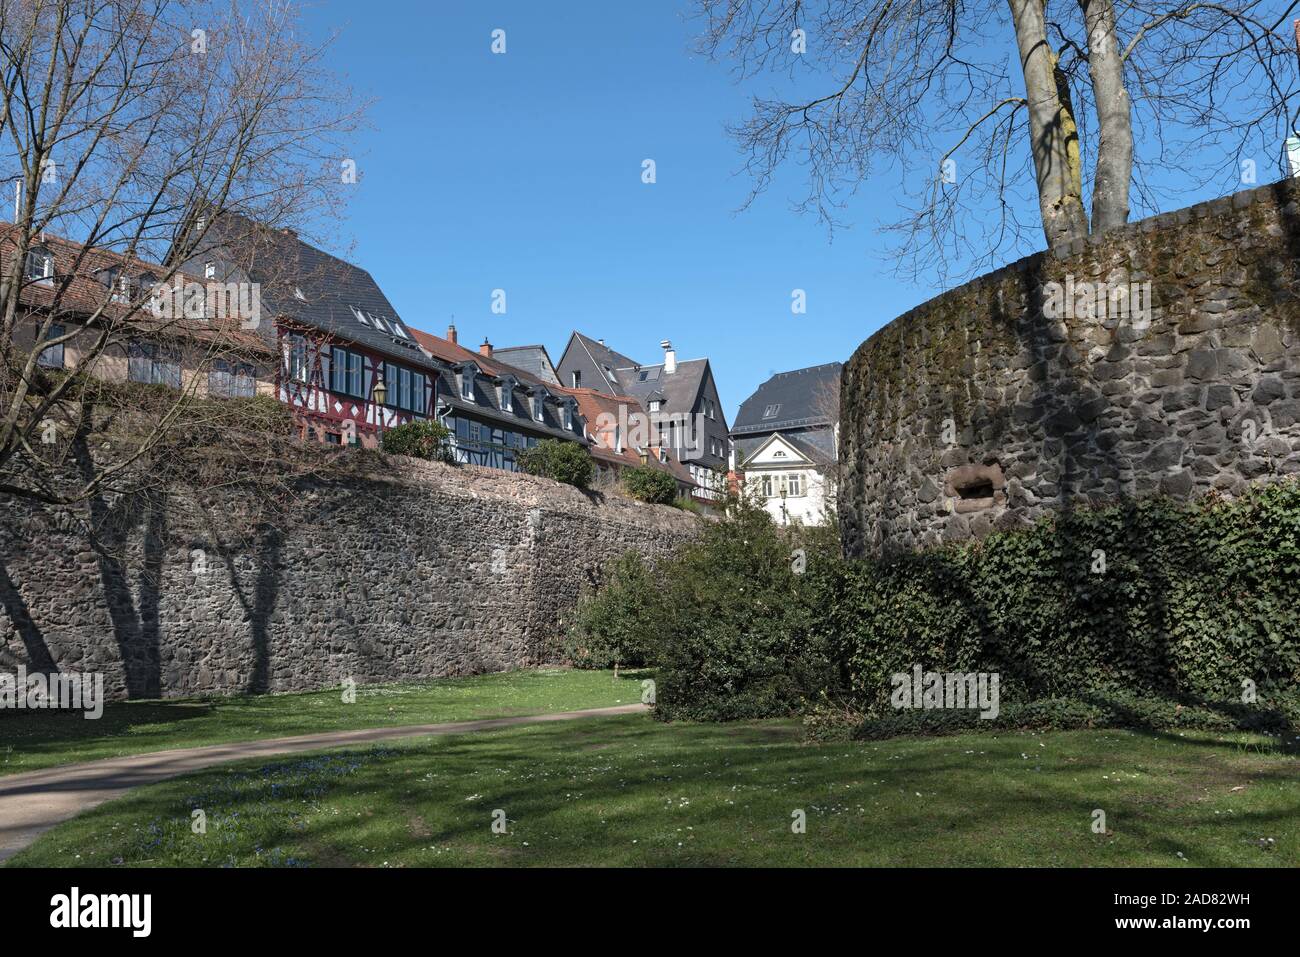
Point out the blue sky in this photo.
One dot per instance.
(523, 172)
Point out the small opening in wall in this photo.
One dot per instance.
(982, 489)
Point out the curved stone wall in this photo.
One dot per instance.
(1163, 358)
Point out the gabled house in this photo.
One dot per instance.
(786, 438)
(680, 396)
(106, 314)
(620, 436)
(349, 367)
(495, 410)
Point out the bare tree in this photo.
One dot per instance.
(126, 126)
(973, 103)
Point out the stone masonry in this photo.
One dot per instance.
(427, 570)
(1036, 388)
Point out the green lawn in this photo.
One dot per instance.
(630, 791)
(30, 740)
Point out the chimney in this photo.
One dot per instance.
(451, 334)
(486, 348)
(670, 358)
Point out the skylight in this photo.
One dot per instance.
(771, 411)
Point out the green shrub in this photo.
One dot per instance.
(650, 485)
(565, 462)
(739, 633)
(420, 440)
(1193, 601)
(687, 504)
(615, 625)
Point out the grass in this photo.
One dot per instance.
(30, 740)
(630, 791)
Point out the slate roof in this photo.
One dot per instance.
(532, 359)
(604, 356)
(487, 402)
(797, 396)
(339, 298)
(679, 390)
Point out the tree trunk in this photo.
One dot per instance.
(1054, 137)
(1110, 189)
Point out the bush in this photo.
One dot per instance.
(615, 625)
(739, 635)
(687, 504)
(650, 485)
(565, 462)
(419, 440)
(1193, 601)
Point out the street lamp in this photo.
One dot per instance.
(783, 512)
(379, 394)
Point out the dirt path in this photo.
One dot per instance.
(32, 803)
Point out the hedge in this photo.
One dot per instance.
(1175, 600)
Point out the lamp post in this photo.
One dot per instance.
(783, 512)
(379, 394)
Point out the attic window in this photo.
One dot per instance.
(298, 294)
(778, 454)
(770, 411)
(39, 265)
(654, 405)
(209, 270)
(359, 316)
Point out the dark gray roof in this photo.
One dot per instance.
(532, 359)
(678, 390)
(793, 398)
(487, 404)
(602, 355)
(337, 297)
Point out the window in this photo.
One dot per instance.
(568, 418)
(467, 384)
(539, 408)
(51, 357)
(232, 379)
(663, 454)
(796, 484)
(770, 411)
(577, 379)
(209, 270)
(767, 486)
(40, 265)
(154, 364)
(708, 408)
(359, 316)
(419, 387)
(507, 396)
(404, 388)
(654, 405)
(298, 294)
(355, 385)
(297, 358)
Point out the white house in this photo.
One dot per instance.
(786, 443)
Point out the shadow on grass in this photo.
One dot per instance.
(698, 795)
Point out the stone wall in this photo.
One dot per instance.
(1008, 397)
(426, 570)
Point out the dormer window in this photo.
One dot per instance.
(209, 270)
(663, 455)
(539, 408)
(568, 418)
(655, 405)
(506, 393)
(467, 384)
(39, 266)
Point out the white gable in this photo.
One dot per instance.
(775, 452)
